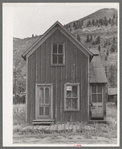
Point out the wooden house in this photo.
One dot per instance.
(61, 84)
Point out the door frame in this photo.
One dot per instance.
(36, 100)
(97, 102)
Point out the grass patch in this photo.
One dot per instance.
(108, 130)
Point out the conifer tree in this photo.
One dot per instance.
(107, 53)
(109, 20)
(113, 15)
(89, 23)
(87, 39)
(112, 76)
(93, 22)
(91, 38)
(113, 39)
(99, 48)
(105, 57)
(98, 40)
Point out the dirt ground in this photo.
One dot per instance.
(62, 139)
(97, 133)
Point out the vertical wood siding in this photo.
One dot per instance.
(29, 90)
(104, 99)
(74, 71)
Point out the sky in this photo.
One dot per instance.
(36, 18)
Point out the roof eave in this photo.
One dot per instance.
(24, 57)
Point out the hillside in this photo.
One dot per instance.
(96, 31)
(100, 14)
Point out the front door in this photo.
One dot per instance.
(44, 101)
(96, 102)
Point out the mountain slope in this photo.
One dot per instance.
(104, 28)
(100, 14)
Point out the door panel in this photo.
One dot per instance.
(43, 102)
(97, 101)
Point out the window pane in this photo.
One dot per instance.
(60, 59)
(99, 89)
(60, 49)
(54, 59)
(54, 48)
(46, 110)
(74, 103)
(41, 95)
(46, 95)
(99, 97)
(94, 99)
(74, 91)
(93, 89)
(68, 103)
(68, 94)
(41, 111)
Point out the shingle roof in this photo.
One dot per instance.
(97, 71)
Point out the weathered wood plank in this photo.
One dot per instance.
(61, 100)
(71, 61)
(48, 60)
(43, 68)
(33, 81)
(58, 85)
(29, 90)
(38, 65)
(56, 94)
(68, 66)
(84, 88)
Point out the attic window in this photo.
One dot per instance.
(58, 54)
(71, 99)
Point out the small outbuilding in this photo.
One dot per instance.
(66, 82)
(112, 95)
(98, 88)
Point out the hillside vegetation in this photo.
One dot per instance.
(96, 31)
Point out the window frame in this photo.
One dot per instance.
(58, 54)
(78, 96)
(97, 93)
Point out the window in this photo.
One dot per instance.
(96, 93)
(71, 99)
(58, 54)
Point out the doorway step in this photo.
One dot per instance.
(43, 121)
(98, 121)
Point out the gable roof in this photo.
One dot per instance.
(97, 73)
(52, 29)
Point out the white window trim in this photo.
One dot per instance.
(78, 96)
(59, 54)
(97, 93)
